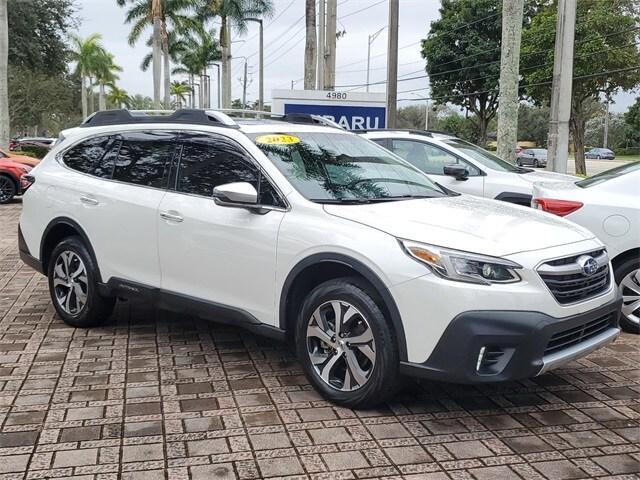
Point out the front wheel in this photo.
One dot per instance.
(7, 189)
(346, 346)
(73, 285)
(536, 164)
(628, 278)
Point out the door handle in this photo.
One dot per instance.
(171, 217)
(89, 201)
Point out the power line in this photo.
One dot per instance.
(342, 17)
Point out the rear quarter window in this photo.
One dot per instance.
(83, 156)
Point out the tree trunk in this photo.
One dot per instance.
(102, 104)
(225, 45)
(310, 52)
(577, 124)
(166, 67)
(156, 12)
(83, 95)
(91, 105)
(5, 130)
(192, 97)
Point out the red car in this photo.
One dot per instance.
(11, 181)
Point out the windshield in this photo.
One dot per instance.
(342, 167)
(481, 155)
(608, 175)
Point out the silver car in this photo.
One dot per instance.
(536, 157)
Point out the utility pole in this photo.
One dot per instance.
(605, 139)
(261, 68)
(512, 13)
(562, 87)
(244, 86)
(330, 38)
(322, 30)
(226, 69)
(392, 64)
(370, 40)
(217, 86)
(426, 116)
(310, 47)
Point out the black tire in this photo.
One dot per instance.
(382, 381)
(7, 189)
(598, 157)
(518, 162)
(96, 309)
(536, 164)
(620, 272)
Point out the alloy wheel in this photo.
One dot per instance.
(70, 282)
(341, 346)
(630, 287)
(7, 190)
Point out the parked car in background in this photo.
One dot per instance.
(536, 157)
(600, 154)
(28, 143)
(11, 181)
(310, 233)
(462, 166)
(608, 204)
(24, 159)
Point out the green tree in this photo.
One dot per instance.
(632, 126)
(179, 91)
(533, 124)
(172, 15)
(236, 12)
(38, 34)
(606, 58)
(462, 51)
(141, 102)
(105, 71)
(117, 98)
(89, 56)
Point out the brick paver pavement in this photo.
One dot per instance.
(160, 396)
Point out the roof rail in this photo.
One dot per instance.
(306, 118)
(424, 133)
(190, 116)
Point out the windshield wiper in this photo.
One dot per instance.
(403, 197)
(342, 201)
(523, 170)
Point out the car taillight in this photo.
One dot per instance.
(561, 208)
(26, 181)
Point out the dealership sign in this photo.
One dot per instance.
(351, 110)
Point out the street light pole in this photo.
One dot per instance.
(392, 64)
(261, 68)
(369, 42)
(218, 84)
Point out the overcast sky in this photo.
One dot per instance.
(284, 46)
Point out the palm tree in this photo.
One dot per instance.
(236, 12)
(105, 75)
(88, 54)
(159, 14)
(194, 53)
(118, 97)
(180, 90)
(4, 75)
(140, 102)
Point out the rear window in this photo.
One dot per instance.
(609, 175)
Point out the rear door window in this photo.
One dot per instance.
(144, 158)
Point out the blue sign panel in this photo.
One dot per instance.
(349, 117)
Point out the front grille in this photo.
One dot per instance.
(569, 284)
(579, 333)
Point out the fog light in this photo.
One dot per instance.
(480, 357)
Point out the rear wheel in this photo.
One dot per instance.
(73, 285)
(536, 164)
(628, 278)
(7, 189)
(346, 346)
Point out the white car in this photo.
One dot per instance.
(462, 166)
(608, 204)
(314, 234)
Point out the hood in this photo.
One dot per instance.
(538, 176)
(466, 223)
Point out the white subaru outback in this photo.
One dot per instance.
(304, 231)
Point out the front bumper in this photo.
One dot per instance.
(517, 344)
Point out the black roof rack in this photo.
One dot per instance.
(189, 116)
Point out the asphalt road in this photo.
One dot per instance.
(595, 166)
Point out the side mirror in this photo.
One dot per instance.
(238, 194)
(459, 172)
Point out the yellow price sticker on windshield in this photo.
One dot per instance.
(277, 139)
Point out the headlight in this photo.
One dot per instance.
(463, 266)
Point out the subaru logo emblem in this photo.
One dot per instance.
(588, 264)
